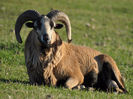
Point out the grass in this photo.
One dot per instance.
(110, 31)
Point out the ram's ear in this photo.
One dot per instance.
(58, 26)
(30, 24)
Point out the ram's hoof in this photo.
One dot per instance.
(79, 87)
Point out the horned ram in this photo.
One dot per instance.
(50, 60)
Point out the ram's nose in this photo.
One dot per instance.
(46, 39)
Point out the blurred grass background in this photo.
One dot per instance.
(105, 25)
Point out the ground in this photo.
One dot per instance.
(105, 25)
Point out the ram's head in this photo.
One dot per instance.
(43, 24)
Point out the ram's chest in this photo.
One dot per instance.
(52, 62)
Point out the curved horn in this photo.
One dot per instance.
(29, 15)
(56, 15)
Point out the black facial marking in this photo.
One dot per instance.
(39, 23)
(51, 24)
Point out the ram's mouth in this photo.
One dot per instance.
(45, 44)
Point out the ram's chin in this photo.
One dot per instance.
(45, 45)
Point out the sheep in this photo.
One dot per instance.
(50, 60)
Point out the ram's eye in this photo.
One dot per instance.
(58, 26)
(30, 24)
(38, 23)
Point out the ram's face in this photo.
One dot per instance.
(44, 27)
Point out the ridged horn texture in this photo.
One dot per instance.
(29, 15)
(56, 15)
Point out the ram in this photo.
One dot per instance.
(50, 60)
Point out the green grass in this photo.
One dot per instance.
(111, 32)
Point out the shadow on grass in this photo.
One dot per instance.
(10, 46)
(13, 81)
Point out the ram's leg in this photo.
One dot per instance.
(74, 81)
(92, 76)
(90, 79)
(112, 86)
(109, 76)
(71, 83)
